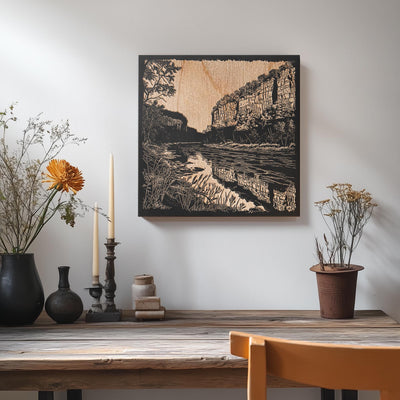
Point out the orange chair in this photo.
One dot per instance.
(319, 365)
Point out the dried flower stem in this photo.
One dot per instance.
(25, 205)
(345, 214)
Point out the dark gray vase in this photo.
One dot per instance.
(21, 291)
(64, 305)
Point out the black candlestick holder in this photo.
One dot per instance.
(108, 312)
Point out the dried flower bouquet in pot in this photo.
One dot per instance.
(345, 213)
(34, 186)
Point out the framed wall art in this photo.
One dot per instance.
(219, 136)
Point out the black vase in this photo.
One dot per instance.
(21, 291)
(64, 305)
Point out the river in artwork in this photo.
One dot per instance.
(252, 177)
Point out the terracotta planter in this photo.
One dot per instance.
(337, 290)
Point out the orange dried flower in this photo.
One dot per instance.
(63, 176)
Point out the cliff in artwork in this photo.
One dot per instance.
(160, 125)
(262, 111)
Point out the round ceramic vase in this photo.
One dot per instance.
(64, 306)
(21, 291)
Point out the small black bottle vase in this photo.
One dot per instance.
(64, 305)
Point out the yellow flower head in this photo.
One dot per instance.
(63, 176)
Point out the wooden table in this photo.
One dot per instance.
(190, 349)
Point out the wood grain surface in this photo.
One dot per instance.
(188, 349)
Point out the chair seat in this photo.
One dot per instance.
(323, 365)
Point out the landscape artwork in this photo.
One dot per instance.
(219, 136)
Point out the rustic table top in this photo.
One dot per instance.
(188, 349)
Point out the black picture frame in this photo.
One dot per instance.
(219, 136)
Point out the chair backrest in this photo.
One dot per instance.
(329, 366)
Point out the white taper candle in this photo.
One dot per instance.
(111, 227)
(95, 259)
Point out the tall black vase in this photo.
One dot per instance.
(64, 305)
(21, 291)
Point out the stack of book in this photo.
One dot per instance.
(149, 307)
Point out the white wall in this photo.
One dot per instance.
(78, 60)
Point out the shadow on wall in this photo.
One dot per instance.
(305, 144)
(384, 278)
(168, 262)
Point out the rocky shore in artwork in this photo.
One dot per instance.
(282, 199)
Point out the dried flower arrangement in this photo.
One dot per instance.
(345, 214)
(25, 205)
